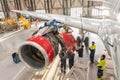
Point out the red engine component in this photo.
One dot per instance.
(69, 41)
(38, 52)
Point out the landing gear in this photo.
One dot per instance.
(79, 41)
(86, 41)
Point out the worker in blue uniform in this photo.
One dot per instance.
(54, 23)
(92, 51)
(101, 66)
(53, 26)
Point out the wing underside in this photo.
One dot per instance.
(92, 25)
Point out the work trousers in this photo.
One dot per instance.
(92, 56)
(63, 67)
(100, 74)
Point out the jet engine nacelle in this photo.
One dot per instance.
(37, 52)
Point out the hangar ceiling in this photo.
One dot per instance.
(88, 7)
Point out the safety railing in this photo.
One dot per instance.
(78, 72)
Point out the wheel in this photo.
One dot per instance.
(79, 41)
(86, 41)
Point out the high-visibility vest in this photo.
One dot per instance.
(102, 64)
(93, 47)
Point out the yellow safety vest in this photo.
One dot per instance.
(102, 64)
(92, 47)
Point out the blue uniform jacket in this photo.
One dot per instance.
(52, 23)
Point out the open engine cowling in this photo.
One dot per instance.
(37, 52)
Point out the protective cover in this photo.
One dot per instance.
(16, 58)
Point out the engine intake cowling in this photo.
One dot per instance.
(37, 52)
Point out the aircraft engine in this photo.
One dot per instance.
(37, 52)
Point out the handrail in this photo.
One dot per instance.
(78, 67)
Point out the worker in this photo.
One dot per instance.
(52, 26)
(63, 60)
(80, 53)
(92, 51)
(101, 67)
(54, 23)
(71, 59)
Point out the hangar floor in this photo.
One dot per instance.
(12, 71)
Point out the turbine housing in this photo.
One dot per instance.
(37, 52)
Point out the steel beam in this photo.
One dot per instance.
(5, 8)
(32, 5)
(17, 6)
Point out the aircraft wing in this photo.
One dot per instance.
(92, 25)
(104, 28)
